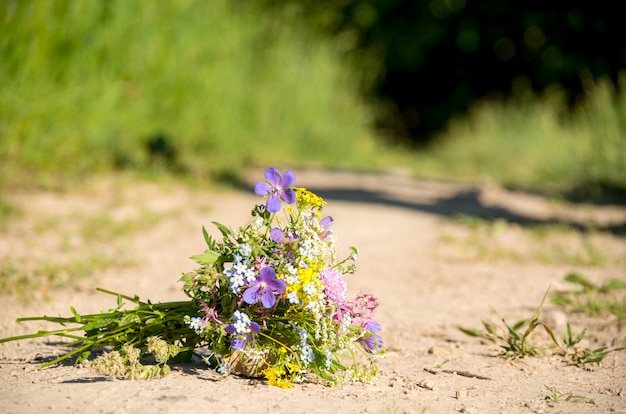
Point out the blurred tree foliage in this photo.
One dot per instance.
(429, 59)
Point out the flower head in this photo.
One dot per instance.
(372, 341)
(325, 223)
(277, 235)
(242, 329)
(276, 188)
(223, 369)
(306, 199)
(195, 323)
(365, 305)
(264, 287)
(335, 285)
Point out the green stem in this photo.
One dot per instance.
(39, 334)
(278, 342)
(135, 300)
(65, 356)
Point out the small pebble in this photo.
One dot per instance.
(442, 350)
(429, 385)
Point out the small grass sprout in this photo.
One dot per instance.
(513, 338)
(569, 341)
(592, 299)
(557, 396)
(592, 356)
(584, 356)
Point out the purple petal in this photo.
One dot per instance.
(373, 326)
(273, 204)
(262, 189)
(373, 343)
(288, 195)
(288, 179)
(254, 327)
(267, 274)
(251, 295)
(277, 235)
(276, 285)
(326, 222)
(272, 175)
(230, 329)
(238, 343)
(267, 298)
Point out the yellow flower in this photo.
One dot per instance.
(270, 374)
(293, 368)
(305, 198)
(283, 383)
(306, 275)
(275, 377)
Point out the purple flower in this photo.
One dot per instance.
(282, 237)
(239, 341)
(277, 235)
(326, 222)
(264, 287)
(372, 341)
(242, 328)
(276, 187)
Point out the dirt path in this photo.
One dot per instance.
(432, 273)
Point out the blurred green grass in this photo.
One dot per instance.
(204, 89)
(539, 142)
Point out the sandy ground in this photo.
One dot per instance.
(431, 272)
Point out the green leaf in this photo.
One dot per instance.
(579, 280)
(83, 356)
(517, 324)
(226, 302)
(472, 332)
(561, 300)
(551, 333)
(208, 258)
(614, 284)
(207, 238)
(76, 315)
(99, 323)
(490, 327)
(223, 229)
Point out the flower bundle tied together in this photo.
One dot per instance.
(275, 293)
(269, 299)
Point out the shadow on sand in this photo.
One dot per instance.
(463, 202)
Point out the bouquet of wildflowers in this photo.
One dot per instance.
(268, 300)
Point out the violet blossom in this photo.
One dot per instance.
(242, 328)
(372, 341)
(264, 287)
(277, 188)
(277, 235)
(283, 237)
(325, 223)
